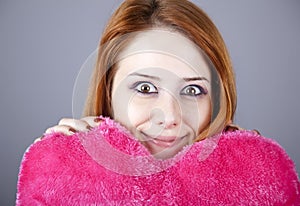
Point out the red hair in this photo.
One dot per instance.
(178, 15)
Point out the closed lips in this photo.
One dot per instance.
(162, 141)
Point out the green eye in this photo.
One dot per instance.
(193, 90)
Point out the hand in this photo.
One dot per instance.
(69, 126)
(233, 127)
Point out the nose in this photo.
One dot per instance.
(167, 112)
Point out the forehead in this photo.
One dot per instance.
(158, 48)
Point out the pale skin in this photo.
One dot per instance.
(163, 100)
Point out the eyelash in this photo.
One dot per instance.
(136, 86)
(153, 89)
(201, 90)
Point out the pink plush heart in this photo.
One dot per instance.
(107, 166)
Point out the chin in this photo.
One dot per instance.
(166, 153)
(162, 150)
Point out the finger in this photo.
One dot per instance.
(256, 131)
(64, 129)
(76, 124)
(232, 128)
(93, 121)
(38, 139)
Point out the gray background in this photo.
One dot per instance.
(44, 43)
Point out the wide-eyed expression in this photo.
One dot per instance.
(163, 98)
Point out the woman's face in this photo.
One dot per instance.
(161, 91)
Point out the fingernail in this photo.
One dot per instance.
(256, 131)
(231, 128)
(89, 127)
(98, 120)
(38, 139)
(72, 131)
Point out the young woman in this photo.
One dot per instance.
(164, 73)
(186, 37)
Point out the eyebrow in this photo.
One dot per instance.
(187, 79)
(144, 75)
(195, 79)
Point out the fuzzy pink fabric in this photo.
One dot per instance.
(107, 166)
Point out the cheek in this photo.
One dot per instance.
(138, 111)
(129, 110)
(199, 115)
(120, 101)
